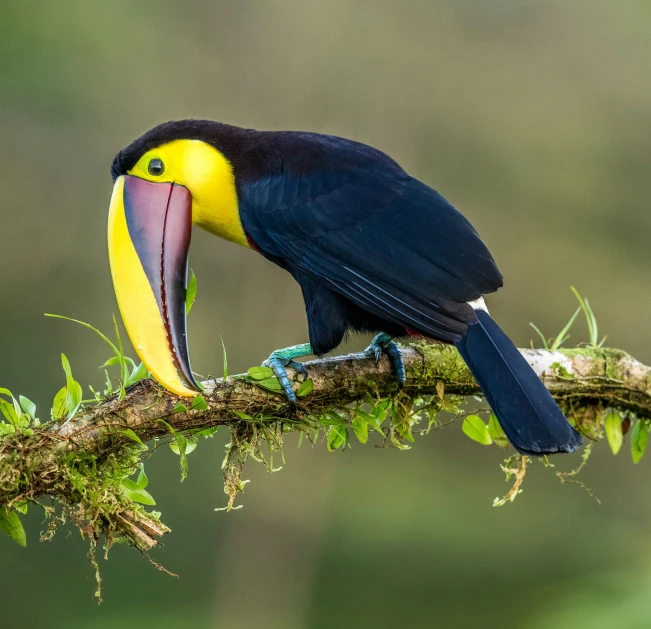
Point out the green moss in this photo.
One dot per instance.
(561, 371)
(606, 361)
(87, 487)
(440, 362)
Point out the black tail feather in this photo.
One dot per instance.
(525, 409)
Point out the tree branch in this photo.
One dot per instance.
(81, 463)
(583, 377)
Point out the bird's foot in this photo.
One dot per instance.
(384, 343)
(279, 360)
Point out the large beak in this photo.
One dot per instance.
(149, 239)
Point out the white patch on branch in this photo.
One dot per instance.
(541, 362)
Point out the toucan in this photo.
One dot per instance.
(372, 248)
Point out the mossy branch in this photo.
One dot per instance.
(581, 377)
(80, 463)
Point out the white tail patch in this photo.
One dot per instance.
(478, 304)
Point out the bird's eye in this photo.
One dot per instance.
(156, 167)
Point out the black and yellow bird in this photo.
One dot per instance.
(372, 248)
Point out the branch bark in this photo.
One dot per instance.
(584, 379)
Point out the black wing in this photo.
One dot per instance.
(358, 223)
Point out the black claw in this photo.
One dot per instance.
(395, 355)
(299, 368)
(383, 343)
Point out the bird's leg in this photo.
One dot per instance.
(384, 343)
(283, 358)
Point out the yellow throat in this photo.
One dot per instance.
(209, 177)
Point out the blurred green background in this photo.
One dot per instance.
(532, 117)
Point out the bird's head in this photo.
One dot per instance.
(170, 178)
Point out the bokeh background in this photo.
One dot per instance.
(532, 117)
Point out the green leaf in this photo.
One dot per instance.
(379, 411)
(136, 493)
(360, 428)
(28, 406)
(496, 433)
(21, 506)
(19, 411)
(131, 485)
(12, 412)
(306, 388)
(116, 360)
(179, 407)
(190, 444)
(337, 437)
(182, 445)
(190, 293)
(59, 407)
(404, 431)
(142, 481)
(241, 415)
(593, 330)
(134, 437)
(179, 445)
(113, 360)
(397, 443)
(639, 438)
(66, 367)
(75, 395)
(272, 384)
(371, 420)
(563, 334)
(260, 373)
(225, 357)
(199, 404)
(139, 373)
(124, 372)
(330, 418)
(10, 523)
(613, 428)
(9, 412)
(540, 334)
(207, 432)
(477, 430)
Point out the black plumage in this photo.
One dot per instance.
(374, 250)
